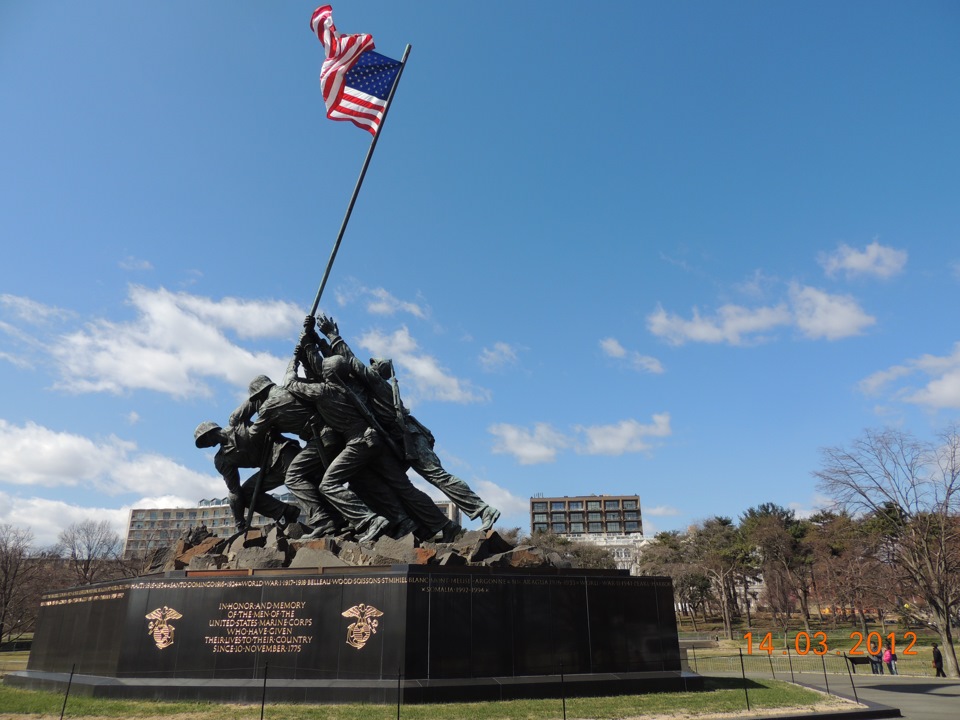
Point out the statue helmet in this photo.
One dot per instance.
(202, 429)
(260, 384)
(383, 367)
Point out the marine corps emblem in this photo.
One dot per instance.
(160, 627)
(364, 626)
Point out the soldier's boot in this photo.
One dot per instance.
(290, 515)
(377, 527)
(450, 532)
(489, 515)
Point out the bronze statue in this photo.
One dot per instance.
(408, 432)
(270, 453)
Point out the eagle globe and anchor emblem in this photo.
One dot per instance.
(365, 625)
(160, 628)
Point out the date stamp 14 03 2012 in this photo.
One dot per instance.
(819, 644)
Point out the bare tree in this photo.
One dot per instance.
(93, 550)
(911, 489)
(18, 575)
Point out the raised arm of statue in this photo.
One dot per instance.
(243, 413)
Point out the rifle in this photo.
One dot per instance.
(409, 451)
(264, 466)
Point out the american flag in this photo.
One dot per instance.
(355, 80)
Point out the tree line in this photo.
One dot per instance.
(888, 544)
(86, 552)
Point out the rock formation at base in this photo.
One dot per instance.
(271, 547)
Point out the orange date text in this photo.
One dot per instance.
(819, 644)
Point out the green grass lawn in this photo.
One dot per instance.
(11, 661)
(720, 695)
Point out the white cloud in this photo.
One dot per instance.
(807, 509)
(33, 455)
(626, 436)
(378, 300)
(529, 447)
(822, 315)
(32, 311)
(429, 379)
(941, 378)
(174, 345)
(501, 355)
(611, 347)
(132, 263)
(874, 384)
(815, 313)
(543, 442)
(47, 518)
(660, 511)
(732, 324)
(875, 259)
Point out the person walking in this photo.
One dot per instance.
(938, 661)
(890, 658)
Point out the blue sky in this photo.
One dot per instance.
(663, 248)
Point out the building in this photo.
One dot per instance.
(152, 528)
(610, 521)
(586, 515)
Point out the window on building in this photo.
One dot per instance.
(539, 506)
(632, 526)
(631, 516)
(575, 505)
(153, 514)
(595, 516)
(613, 516)
(595, 527)
(166, 515)
(613, 527)
(629, 504)
(593, 504)
(576, 516)
(558, 517)
(558, 506)
(540, 527)
(559, 527)
(179, 516)
(576, 527)
(611, 504)
(540, 517)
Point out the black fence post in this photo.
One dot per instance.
(67, 694)
(263, 696)
(826, 682)
(743, 674)
(790, 661)
(563, 693)
(852, 684)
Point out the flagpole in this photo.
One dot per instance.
(356, 189)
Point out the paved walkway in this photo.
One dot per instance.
(919, 698)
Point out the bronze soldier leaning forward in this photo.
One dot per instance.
(270, 453)
(279, 411)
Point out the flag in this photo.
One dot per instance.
(355, 80)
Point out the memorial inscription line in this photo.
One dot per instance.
(251, 627)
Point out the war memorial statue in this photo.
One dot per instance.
(360, 439)
(375, 596)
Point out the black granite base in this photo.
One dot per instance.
(427, 633)
(359, 691)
